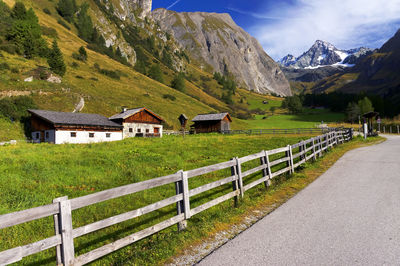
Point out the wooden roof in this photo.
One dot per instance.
(62, 118)
(130, 112)
(212, 117)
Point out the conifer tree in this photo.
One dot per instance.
(56, 61)
(84, 23)
(178, 83)
(82, 53)
(155, 73)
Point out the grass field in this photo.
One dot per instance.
(309, 119)
(33, 175)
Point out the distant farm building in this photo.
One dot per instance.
(60, 127)
(139, 122)
(212, 123)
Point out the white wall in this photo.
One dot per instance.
(143, 128)
(63, 136)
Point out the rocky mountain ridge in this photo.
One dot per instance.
(219, 44)
(322, 54)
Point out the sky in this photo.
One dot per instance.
(292, 26)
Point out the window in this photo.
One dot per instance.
(147, 130)
(91, 135)
(139, 130)
(47, 135)
(37, 135)
(108, 135)
(130, 130)
(73, 134)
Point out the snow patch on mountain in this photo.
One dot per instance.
(323, 54)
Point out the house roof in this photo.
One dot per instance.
(130, 112)
(211, 117)
(62, 118)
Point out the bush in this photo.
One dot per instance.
(169, 97)
(9, 48)
(4, 66)
(47, 11)
(79, 77)
(178, 83)
(16, 108)
(48, 31)
(75, 65)
(64, 24)
(14, 70)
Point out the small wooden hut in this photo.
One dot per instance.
(212, 123)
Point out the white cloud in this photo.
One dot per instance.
(345, 23)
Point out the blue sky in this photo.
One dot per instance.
(292, 26)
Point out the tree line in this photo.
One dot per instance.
(353, 105)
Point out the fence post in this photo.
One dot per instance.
(63, 225)
(290, 162)
(313, 149)
(57, 231)
(390, 129)
(239, 174)
(384, 129)
(264, 160)
(235, 183)
(398, 129)
(180, 205)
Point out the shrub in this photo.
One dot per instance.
(75, 65)
(94, 78)
(79, 77)
(47, 11)
(4, 66)
(64, 24)
(169, 97)
(14, 70)
(48, 31)
(9, 48)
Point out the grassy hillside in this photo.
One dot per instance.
(76, 170)
(104, 94)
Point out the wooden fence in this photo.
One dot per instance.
(288, 158)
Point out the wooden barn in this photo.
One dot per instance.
(139, 122)
(212, 123)
(60, 127)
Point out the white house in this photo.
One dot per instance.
(139, 122)
(60, 127)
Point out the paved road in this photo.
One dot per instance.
(349, 216)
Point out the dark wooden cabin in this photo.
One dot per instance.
(208, 123)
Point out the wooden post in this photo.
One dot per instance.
(239, 174)
(320, 145)
(64, 218)
(384, 129)
(264, 161)
(235, 183)
(57, 231)
(301, 150)
(390, 129)
(180, 205)
(291, 159)
(313, 148)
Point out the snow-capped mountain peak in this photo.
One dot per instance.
(323, 53)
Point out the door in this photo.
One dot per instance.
(156, 131)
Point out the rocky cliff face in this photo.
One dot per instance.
(216, 40)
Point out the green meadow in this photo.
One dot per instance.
(33, 175)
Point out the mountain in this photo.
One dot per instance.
(130, 61)
(219, 44)
(376, 74)
(324, 54)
